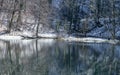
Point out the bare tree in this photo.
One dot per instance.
(98, 12)
(113, 21)
(12, 15)
(41, 11)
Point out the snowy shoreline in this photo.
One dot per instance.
(53, 36)
(91, 40)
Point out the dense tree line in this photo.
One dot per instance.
(24, 14)
(71, 16)
(80, 12)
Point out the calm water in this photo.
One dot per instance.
(50, 57)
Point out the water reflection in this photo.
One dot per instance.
(51, 57)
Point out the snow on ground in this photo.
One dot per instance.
(41, 35)
(27, 34)
(47, 35)
(3, 37)
(85, 39)
(53, 36)
(90, 40)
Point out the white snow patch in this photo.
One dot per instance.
(90, 40)
(27, 34)
(41, 35)
(5, 37)
(48, 35)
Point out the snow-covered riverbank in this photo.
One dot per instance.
(6, 37)
(90, 40)
(54, 36)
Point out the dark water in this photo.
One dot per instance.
(50, 57)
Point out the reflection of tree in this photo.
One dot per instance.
(60, 58)
(107, 64)
(74, 58)
(38, 63)
(13, 67)
(9, 51)
(85, 59)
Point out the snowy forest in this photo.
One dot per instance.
(79, 18)
(59, 37)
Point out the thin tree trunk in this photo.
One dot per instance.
(37, 28)
(12, 17)
(113, 20)
(19, 14)
(98, 3)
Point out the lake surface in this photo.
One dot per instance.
(52, 57)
